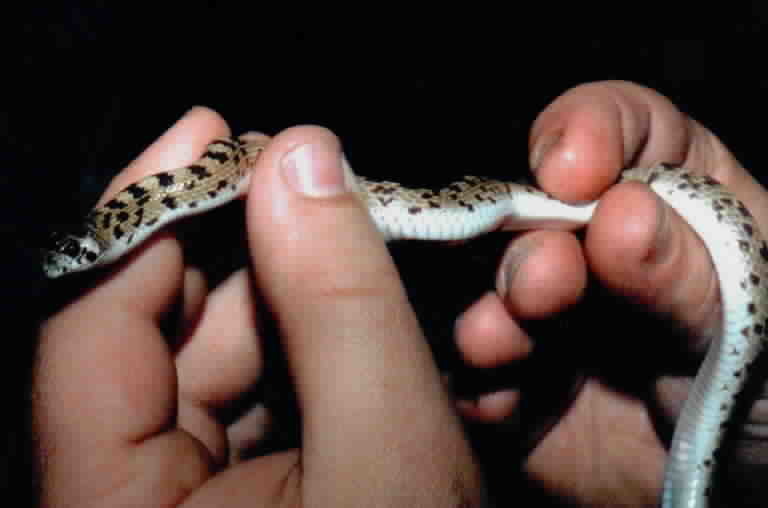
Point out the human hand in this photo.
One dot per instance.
(605, 451)
(124, 419)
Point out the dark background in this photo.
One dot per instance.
(420, 100)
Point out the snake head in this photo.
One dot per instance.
(70, 253)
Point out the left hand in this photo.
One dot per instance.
(605, 450)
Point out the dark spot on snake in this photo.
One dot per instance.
(754, 279)
(491, 200)
(726, 201)
(709, 180)
(745, 332)
(737, 373)
(193, 204)
(751, 308)
(118, 232)
(212, 194)
(707, 463)
(432, 204)
(427, 195)
(123, 216)
(91, 256)
(143, 200)
(744, 245)
(652, 178)
(748, 229)
(385, 201)
(764, 251)
(221, 185)
(115, 204)
(191, 184)
(220, 157)
(151, 222)
(226, 143)
(466, 205)
(717, 206)
(682, 186)
(455, 187)
(696, 186)
(743, 210)
(199, 171)
(414, 210)
(164, 179)
(139, 217)
(136, 190)
(667, 166)
(170, 202)
(105, 220)
(759, 329)
(685, 176)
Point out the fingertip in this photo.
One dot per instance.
(542, 273)
(291, 202)
(601, 128)
(577, 147)
(488, 337)
(179, 145)
(653, 257)
(491, 407)
(621, 245)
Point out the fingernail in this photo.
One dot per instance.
(542, 148)
(510, 265)
(663, 237)
(315, 172)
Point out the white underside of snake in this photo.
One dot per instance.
(471, 207)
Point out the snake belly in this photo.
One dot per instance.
(471, 207)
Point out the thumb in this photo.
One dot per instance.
(652, 256)
(370, 394)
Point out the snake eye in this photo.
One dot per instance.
(70, 248)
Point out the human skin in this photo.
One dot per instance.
(605, 451)
(125, 420)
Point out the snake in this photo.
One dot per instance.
(470, 207)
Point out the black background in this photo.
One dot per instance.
(419, 99)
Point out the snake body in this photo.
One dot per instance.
(474, 206)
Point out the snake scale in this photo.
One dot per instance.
(470, 207)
